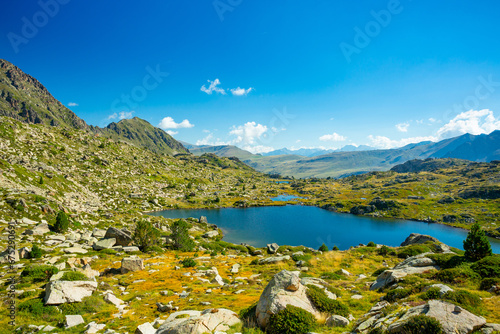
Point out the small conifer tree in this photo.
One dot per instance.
(476, 244)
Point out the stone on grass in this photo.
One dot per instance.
(104, 244)
(337, 321)
(272, 248)
(132, 263)
(73, 320)
(60, 292)
(145, 328)
(123, 237)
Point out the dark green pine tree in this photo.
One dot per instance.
(476, 245)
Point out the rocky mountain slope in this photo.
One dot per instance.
(24, 98)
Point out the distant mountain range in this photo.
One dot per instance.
(482, 148)
(314, 152)
(24, 98)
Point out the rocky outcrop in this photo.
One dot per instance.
(413, 265)
(274, 259)
(123, 237)
(416, 238)
(453, 319)
(196, 322)
(284, 289)
(132, 263)
(60, 292)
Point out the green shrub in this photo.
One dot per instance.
(335, 248)
(27, 294)
(188, 262)
(248, 317)
(334, 290)
(322, 303)
(35, 308)
(323, 248)
(62, 222)
(74, 276)
(291, 320)
(412, 250)
(379, 271)
(38, 273)
(488, 267)
(384, 250)
(332, 276)
(88, 305)
(456, 275)
(476, 245)
(446, 261)
(146, 235)
(487, 283)
(432, 293)
(422, 324)
(180, 236)
(396, 294)
(371, 244)
(305, 257)
(36, 252)
(463, 298)
(107, 251)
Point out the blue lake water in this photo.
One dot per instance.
(284, 198)
(311, 226)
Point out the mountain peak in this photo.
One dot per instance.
(24, 98)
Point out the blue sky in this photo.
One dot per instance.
(282, 74)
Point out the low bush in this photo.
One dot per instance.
(331, 276)
(412, 250)
(322, 303)
(305, 257)
(36, 252)
(488, 267)
(291, 320)
(447, 261)
(88, 305)
(456, 275)
(487, 283)
(379, 271)
(35, 308)
(463, 298)
(38, 273)
(323, 248)
(384, 250)
(432, 293)
(188, 262)
(371, 244)
(146, 236)
(248, 317)
(422, 324)
(396, 294)
(74, 276)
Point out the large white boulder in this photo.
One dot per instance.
(60, 292)
(284, 289)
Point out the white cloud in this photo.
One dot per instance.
(298, 141)
(169, 123)
(241, 91)
(333, 137)
(170, 132)
(387, 143)
(213, 88)
(258, 149)
(403, 127)
(121, 115)
(248, 133)
(475, 122)
(209, 140)
(72, 104)
(432, 120)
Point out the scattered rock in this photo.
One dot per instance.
(416, 238)
(132, 263)
(73, 320)
(145, 328)
(104, 244)
(40, 229)
(337, 321)
(274, 259)
(123, 237)
(60, 292)
(272, 248)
